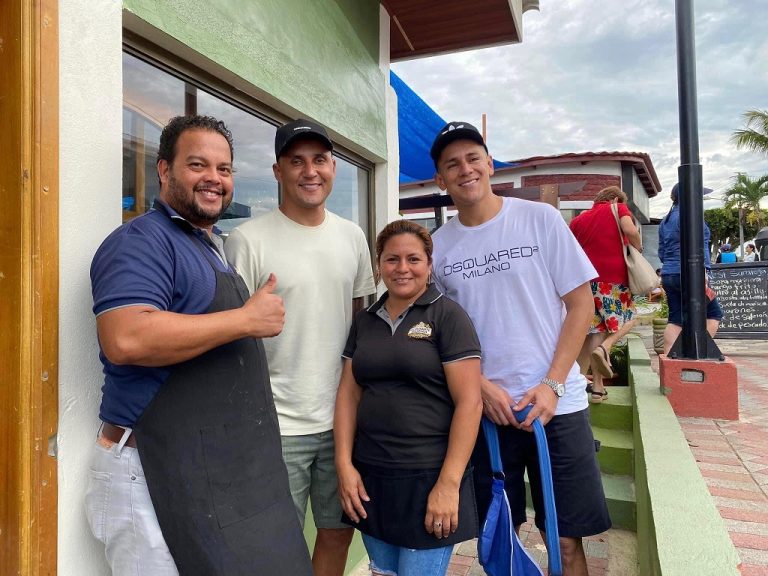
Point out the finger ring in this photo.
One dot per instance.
(438, 524)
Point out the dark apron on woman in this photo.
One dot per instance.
(398, 506)
(209, 443)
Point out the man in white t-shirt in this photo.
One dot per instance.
(323, 269)
(518, 271)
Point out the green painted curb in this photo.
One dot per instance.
(679, 530)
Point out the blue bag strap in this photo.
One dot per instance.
(492, 440)
(548, 492)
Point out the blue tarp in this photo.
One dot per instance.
(417, 126)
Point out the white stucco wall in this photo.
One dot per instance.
(640, 196)
(90, 191)
(387, 174)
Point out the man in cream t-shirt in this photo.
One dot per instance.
(522, 277)
(323, 269)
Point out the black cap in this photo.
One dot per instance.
(455, 131)
(300, 129)
(673, 193)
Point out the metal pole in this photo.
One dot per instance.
(694, 342)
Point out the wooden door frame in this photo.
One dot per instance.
(29, 285)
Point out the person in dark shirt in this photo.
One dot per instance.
(186, 469)
(407, 415)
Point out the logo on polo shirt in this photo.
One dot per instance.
(420, 331)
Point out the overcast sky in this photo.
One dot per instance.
(602, 76)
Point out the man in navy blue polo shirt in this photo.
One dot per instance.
(187, 475)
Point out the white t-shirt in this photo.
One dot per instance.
(510, 274)
(319, 270)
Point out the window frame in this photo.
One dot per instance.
(176, 66)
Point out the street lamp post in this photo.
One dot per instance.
(694, 342)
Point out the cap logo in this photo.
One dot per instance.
(302, 128)
(452, 127)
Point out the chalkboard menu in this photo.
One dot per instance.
(742, 290)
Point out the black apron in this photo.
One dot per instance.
(209, 443)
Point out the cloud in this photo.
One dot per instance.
(595, 76)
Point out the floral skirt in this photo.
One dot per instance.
(613, 307)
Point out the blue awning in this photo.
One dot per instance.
(417, 126)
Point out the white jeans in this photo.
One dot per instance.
(121, 514)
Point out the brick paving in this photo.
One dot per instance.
(597, 548)
(733, 455)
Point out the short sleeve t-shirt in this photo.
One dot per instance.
(510, 275)
(598, 234)
(319, 270)
(405, 410)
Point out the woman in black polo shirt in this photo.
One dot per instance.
(407, 414)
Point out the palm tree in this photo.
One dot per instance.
(754, 135)
(746, 194)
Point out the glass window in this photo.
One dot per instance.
(349, 198)
(254, 150)
(152, 96)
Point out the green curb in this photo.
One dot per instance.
(679, 529)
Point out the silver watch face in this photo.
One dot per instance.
(557, 387)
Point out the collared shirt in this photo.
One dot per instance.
(151, 260)
(393, 324)
(405, 410)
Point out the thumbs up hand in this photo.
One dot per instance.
(265, 310)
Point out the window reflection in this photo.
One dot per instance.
(152, 96)
(349, 198)
(255, 184)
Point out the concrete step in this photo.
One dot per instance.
(617, 451)
(615, 412)
(620, 496)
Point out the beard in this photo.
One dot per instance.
(184, 203)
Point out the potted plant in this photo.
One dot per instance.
(620, 362)
(659, 323)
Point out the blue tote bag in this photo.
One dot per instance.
(499, 549)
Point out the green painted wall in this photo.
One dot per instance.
(319, 57)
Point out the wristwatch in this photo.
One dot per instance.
(557, 387)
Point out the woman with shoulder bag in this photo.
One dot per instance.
(602, 240)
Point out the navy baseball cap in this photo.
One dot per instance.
(673, 194)
(300, 129)
(450, 133)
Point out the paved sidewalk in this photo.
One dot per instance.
(612, 553)
(733, 455)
